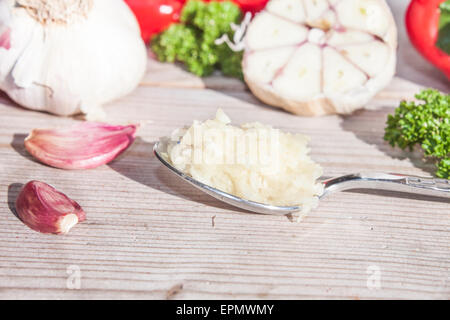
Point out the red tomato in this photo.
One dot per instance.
(247, 5)
(155, 16)
(251, 5)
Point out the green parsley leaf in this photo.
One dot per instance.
(426, 124)
(192, 40)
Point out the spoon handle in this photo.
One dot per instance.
(391, 182)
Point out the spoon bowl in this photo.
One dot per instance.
(160, 150)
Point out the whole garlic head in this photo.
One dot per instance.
(315, 57)
(69, 56)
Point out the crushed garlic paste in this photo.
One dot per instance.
(254, 161)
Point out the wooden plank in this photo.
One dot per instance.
(150, 235)
(170, 75)
(174, 75)
(148, 232)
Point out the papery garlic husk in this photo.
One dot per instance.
(69, 56)
(43, 208)
(316, 57)
(81, 146)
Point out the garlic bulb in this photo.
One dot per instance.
(69, 56)
(315, 57)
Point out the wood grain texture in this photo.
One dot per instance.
(147, 232)
(149, 235)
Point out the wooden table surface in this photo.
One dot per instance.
(150, 235)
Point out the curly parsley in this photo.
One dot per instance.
(426, 124)
(192, 40)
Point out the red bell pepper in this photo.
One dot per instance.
(427, 31)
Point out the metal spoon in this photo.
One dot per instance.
(377, 181)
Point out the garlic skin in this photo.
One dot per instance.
(5, 39)
(317, 57)
(5, 31)
(44, 209)
(69, 56)
(82, 146)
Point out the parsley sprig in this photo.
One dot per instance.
(427, 124)
(192, 41)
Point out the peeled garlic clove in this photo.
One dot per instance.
(315, 57)
(43, 208)
(81, 146)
